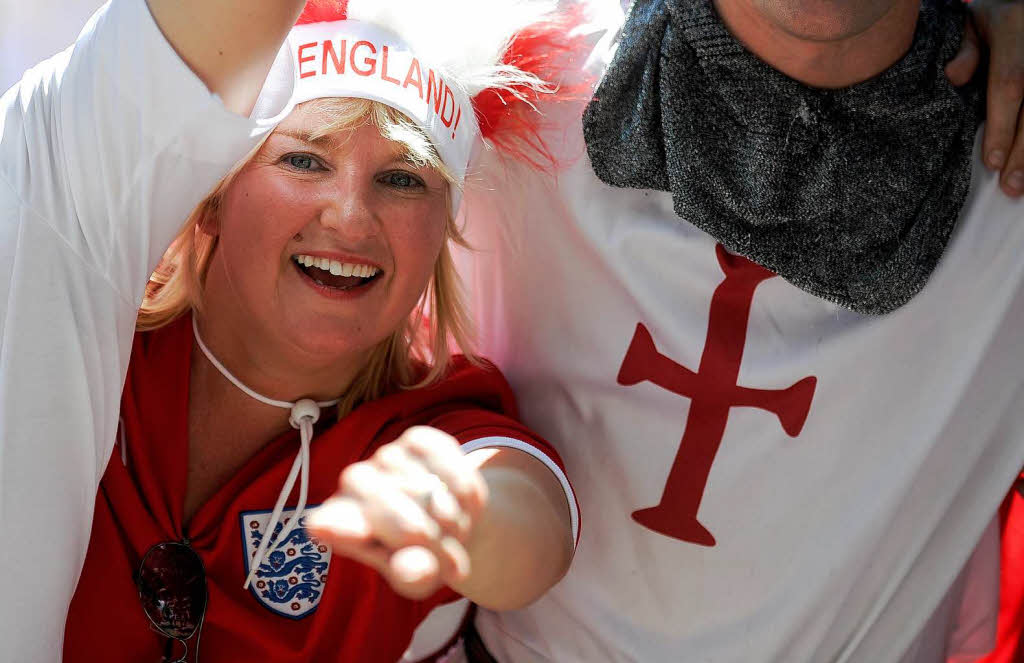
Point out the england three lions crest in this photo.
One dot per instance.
(290, 580)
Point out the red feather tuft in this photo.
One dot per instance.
(323, 11)
(546, 50)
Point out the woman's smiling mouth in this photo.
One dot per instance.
(335, 275)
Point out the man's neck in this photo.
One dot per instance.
(806, 52)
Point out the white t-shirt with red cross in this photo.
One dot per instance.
(767, 476)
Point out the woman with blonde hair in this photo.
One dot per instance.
(303, 469)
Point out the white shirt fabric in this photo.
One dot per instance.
(104, 150)
(837, 544)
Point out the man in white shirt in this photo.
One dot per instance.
(767, 472)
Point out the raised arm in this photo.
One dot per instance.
(229, 44)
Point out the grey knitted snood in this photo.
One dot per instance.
(848, 194)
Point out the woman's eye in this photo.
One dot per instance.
(302, 162)
(402, 180)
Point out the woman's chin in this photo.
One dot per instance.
(337, 329)
(333, 343)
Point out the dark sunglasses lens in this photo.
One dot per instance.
(172, 589)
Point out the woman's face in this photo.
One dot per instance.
(326, 246)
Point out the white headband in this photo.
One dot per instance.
(358, 59)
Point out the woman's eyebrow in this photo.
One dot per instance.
(401, 154)
(404, 156)
(305, 137)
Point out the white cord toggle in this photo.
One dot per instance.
(304, 414)
(304, 409)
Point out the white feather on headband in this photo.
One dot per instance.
(466, 39)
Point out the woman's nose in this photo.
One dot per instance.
(349, 212)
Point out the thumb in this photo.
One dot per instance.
(960, 69)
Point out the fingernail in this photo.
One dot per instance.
(997, 158)
(1016, 180)
(457, 552)
(414, 563)
(443, 504)
(412, 574)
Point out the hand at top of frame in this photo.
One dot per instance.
(1000, 24)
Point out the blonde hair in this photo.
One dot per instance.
(439, 320)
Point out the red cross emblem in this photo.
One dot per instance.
(713, 391)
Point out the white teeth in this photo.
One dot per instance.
(336, 267)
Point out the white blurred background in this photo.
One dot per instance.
(33, 30)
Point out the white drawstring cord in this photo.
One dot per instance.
(304, 414)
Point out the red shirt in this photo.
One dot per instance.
(296, 615)
(1010, 635)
